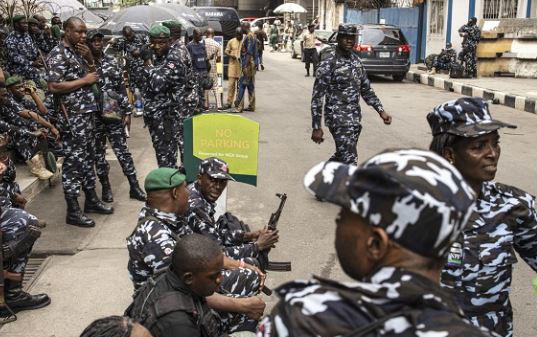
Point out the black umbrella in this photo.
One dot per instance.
(140, 18)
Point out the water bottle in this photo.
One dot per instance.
(138, 103)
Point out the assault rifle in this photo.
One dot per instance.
(264, 262)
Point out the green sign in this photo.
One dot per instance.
(232, 138)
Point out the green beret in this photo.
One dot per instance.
(33, 21)
(16, 79)
(172, 24)
(18, 17)
(163, 178)
(157, 31)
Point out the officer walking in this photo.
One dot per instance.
(471, 34)
(111, 83)
(71, 78)
(165, 74)
(504, 221)
(341, 80)
(400, 212)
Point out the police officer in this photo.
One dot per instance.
(203, 193)
(21, 51)
(341, 80)
(200, 63)
(188, 92)
(471, 34)
(71, 78)
(132, 45)
(111, 81)
(165, 75)
(400, 212)
(504, 220)
(445, 59)
(19, 231)
(161, 225)
(174, 304)
(41, 34)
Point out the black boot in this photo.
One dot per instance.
(106, 189)
(19, 300)
(135, 192)
(74, 214)
(94, 205)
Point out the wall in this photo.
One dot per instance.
(459, 18)
(331, 14)
(435, 43)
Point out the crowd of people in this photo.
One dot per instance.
(428, 236)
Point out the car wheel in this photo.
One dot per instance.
(399, 77)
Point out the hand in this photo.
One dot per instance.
(84, 50)
(127, 121)
(267, 239)
(39, 133)
(385, 117)
(91, 78)
(251, 236)
(253, 307)
(317, 136)
(19, 200)
(29, 90)
(262, 276)
(136, 52)
(3, 168)
(38, 63)
(55, 133)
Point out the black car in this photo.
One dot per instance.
(383, 49)
(224, 21)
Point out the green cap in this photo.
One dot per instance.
(172, 24)
(18, 17)
(163, 178)
(157, 31)
(33, 21)
(16, 79)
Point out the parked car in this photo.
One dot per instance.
(224, 21)
(383, 49)
(320, 44)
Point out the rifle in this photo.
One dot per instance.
(272, 225)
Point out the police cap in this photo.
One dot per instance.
(94, 33)
(159, 31)
(13, 80)
(345, 29)
(163, 178)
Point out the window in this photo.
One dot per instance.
(500, 9)
(436, 26)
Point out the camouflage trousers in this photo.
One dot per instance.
(78, 143)
(115, 133)
(442, 64)
(165, 137)
(237, 283)
(500, 322)
(8, 186)
(346, 139)
(183, 114)
(13, 224)
(24, 145)
(468, 57)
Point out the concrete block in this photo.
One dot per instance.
(479, 92)
(439, 82)
(520, 102)
(457, 87)
(500, 96)
(424, 79)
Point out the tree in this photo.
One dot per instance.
(28, 8)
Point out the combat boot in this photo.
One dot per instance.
(106, 189)
(19, 300)
(94, 205)
(75, 216)
(37, 167)
(135, 191)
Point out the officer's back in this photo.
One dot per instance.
(174, 304)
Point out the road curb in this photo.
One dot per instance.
(521, 103)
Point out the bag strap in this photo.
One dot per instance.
(174, 301)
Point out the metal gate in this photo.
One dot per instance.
(406, 18)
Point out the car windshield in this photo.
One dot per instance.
(381, 36)
(323, 35)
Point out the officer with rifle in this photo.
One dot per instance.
(18, 232)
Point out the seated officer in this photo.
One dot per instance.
(203, 193)
(174, 304)
(160, 227)
(19, 231)
(400, 212)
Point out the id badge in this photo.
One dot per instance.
(455, 255)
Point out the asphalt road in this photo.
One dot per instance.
(93, 282)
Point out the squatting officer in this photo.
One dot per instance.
(341, 80)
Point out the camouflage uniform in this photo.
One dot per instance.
(445, 59)
(134, 64)
(44, 42)
(201, 220)
(151, 245)
(480, 264)
(8, 186)
(21, 52)
(14, 223)
(468, 55)
(23, 143)
(111, 79)
(341, 80)
(188, 94)
(163, 94)
(422, 203)
(78, 132)
(198, 55)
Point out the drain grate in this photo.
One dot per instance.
(33, 269)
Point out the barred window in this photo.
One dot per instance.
(500, 9)
(436, 26)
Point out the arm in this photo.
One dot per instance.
(526, 232)
(253, 306)
(368, 94)
(69, 86)
(320, 87)
(158, 248)
(40, 105)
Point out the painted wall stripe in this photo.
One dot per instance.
(471, 9)
(449, 20)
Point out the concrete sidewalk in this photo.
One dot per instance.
(517, 93)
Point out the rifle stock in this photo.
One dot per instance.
(264, 262)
